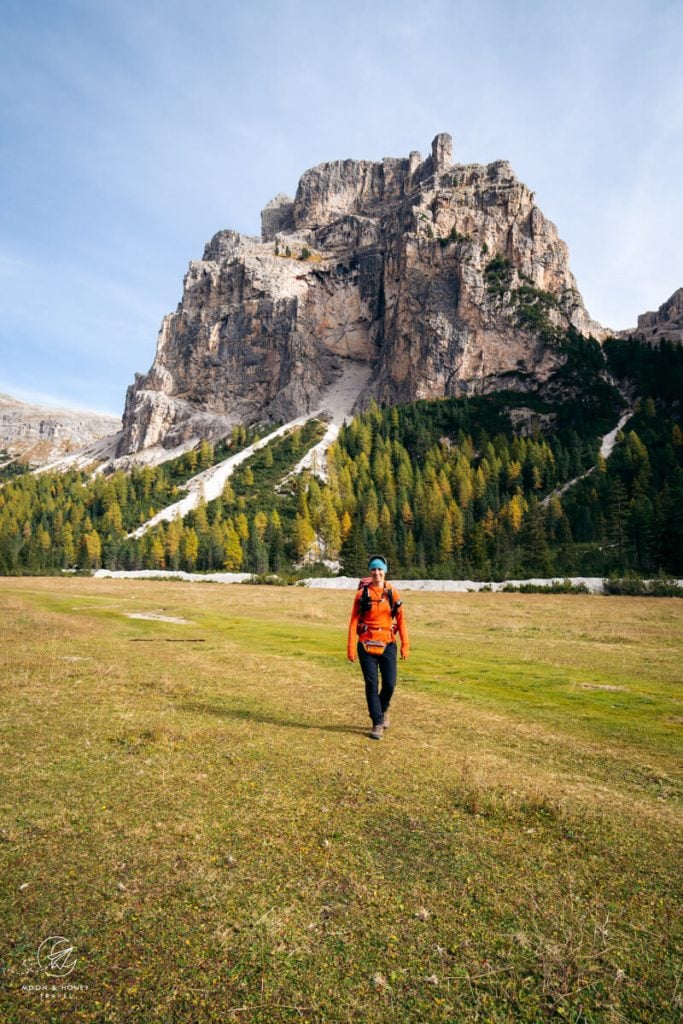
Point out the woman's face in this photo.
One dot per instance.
(377, 577)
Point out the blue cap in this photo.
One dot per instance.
(378, 563)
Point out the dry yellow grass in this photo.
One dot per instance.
(207, 822)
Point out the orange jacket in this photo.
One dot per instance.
(378, 620)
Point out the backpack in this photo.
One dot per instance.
(366, 602)
(371, 644)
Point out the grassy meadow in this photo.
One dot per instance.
(196, 806)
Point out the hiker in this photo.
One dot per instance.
(376, 617)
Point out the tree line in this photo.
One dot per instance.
(76, 520)
(453, 488)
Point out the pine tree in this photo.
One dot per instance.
(112, 521)
(216, 545)
(330, 530)
(386, 542)
(304, 539)
(173, 538)
(257, 557)
(261, 523)
(409, 551)
(156, 552)
(68, 549)
(446, 543)
(91, 549)
(242, 527)
(616, 521)
(537, 553)
(233, 556)
(189, 548)
(346, 525)
(353, 553)
(191, 460)
(371, 516)
(206, 454)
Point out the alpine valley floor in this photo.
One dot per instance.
(191, 802)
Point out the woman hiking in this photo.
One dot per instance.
(376, 617)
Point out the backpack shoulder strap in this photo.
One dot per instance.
(394, 605)
(365, 602)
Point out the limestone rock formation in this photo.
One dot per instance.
(442, 278)
(664, 325)
(38, 435)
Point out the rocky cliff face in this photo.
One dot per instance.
(38, 435)
(443, 278)
(664, 325)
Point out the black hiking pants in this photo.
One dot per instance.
(374, 666)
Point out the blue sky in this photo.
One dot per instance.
(132, 130)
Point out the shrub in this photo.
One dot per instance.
(632, 585)
(498, 275)
(552, 587)
(533, 305)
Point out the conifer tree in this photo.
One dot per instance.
(616, 522)
(233, 557)
(91, 551)
(189, 549)
(68, 549)
(330, 530)
(257, 552)
(174, 533)
(537, 551)
(242, 527)
(156, 552)
(353, 553)
(206, 454)
(346, 525)
(371, 516)
(112, 521)
(304, 538)
(445, 541)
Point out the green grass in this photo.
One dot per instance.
(209, 825)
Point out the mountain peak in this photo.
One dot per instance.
(442, 278)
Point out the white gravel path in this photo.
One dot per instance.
(609, 440)
(172, 574)
(209, 484)
(606, 448)
(336, 404)
(594, 584)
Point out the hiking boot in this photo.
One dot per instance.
(377, 731)
(386, 721)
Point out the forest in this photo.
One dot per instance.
(457, 488)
